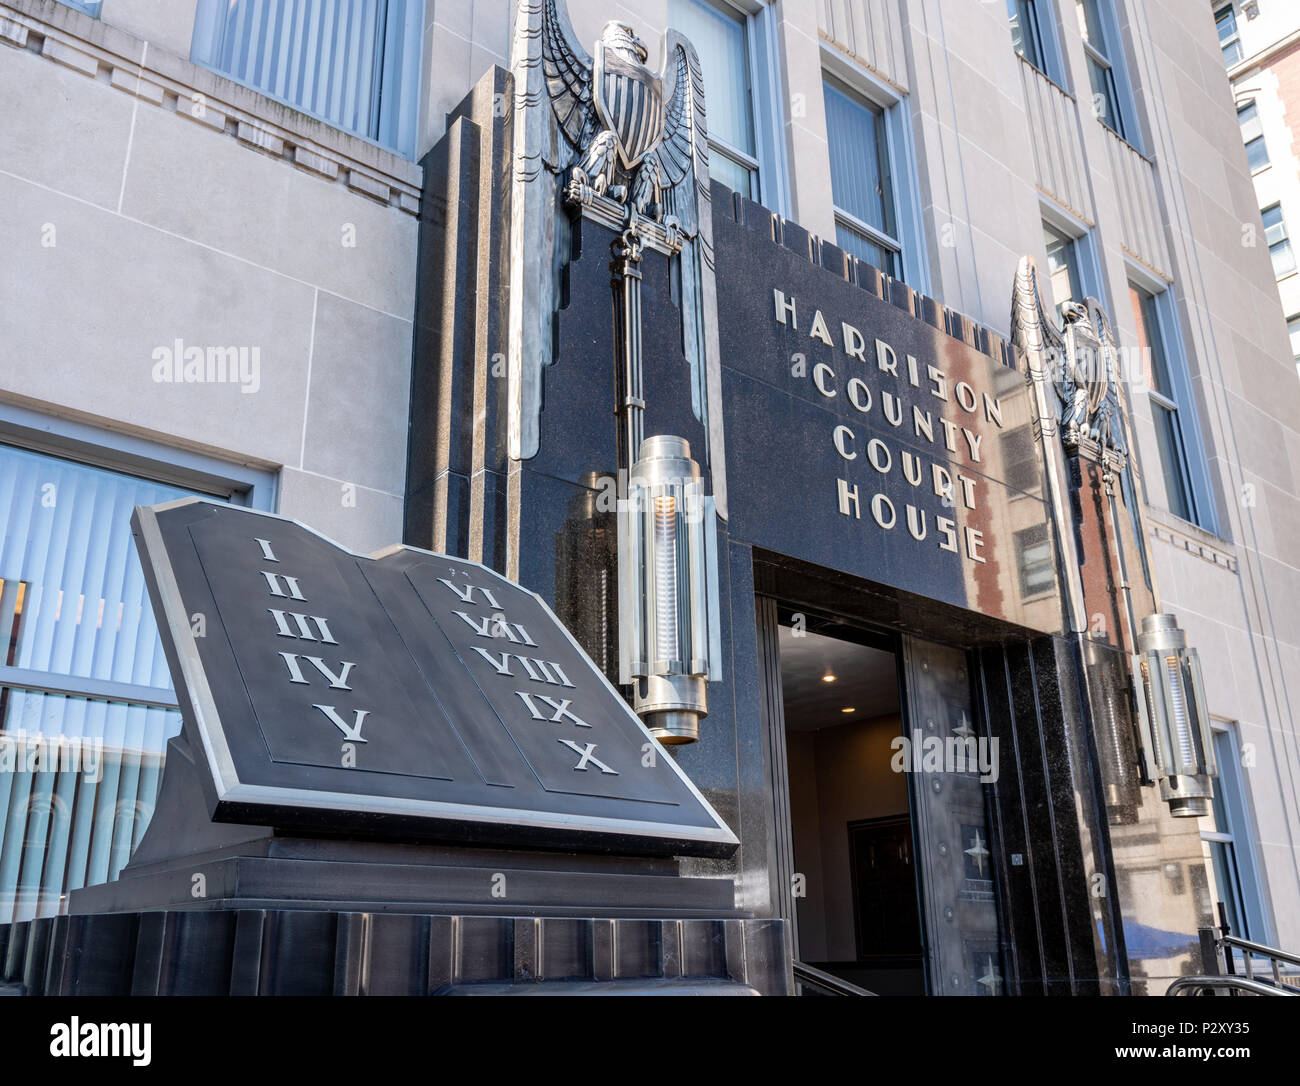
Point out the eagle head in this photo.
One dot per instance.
(623, 40)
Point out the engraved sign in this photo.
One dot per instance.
(408, 694)
(867, 440)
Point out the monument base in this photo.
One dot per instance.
(187, 862)
(301, 952)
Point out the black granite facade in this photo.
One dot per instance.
(1057, 701)
(297, 953)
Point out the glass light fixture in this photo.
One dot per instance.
(669, 633)
(1174, 721)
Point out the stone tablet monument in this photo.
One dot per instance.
(396, 774)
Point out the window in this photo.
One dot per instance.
(1293, 327)
(86, 703)
(1036, 560)
(1062, 269)
(1227, 842)
(1021, 462)
(1229, 37)
(1279, 241)
(1164, 403)
(1033, 37)
(866, 216)
(90, 7)
(1026, 34)
(1252, 134)
(1101, 45)
(354, 64)
(721, 37)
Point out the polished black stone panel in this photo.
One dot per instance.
(457, 452)
(820, 420)
(276, 952)
(1055, 812)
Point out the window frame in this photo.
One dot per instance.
(872, 235)
(1053, 66)
(1243, 837)
(80, 443)
(763, 58)
(1235, 39)
(1181, 400)
(1084, 243)
(1114, 65)
(1253, 104)
(1285, 239)
(400, 106)
(900, 142)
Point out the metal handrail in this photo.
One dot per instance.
(827, 983)
(1260, 949)
(1199, 985)
(1217, 955)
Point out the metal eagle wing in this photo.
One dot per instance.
(567, 68)
(1036, 334)
(684, 145)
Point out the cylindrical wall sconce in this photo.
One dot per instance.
(1175, 724)
(669, 633)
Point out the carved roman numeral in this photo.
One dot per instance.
(304, 630)
(542, 671)
(291, 583)
(560, 710)
(337, 682)
(351, 732)
(467, 595)
(588, 757)
(496, 626)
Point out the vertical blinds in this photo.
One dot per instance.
(78, 774)
(719, 38)
(859, 180)
(352, 63)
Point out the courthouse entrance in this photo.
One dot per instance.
(892, 884)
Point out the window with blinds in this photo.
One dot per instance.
(862, 183)
(720, 35)
(353, 63)
(86, 705)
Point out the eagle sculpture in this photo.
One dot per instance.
(632, 135)
(1082, 362)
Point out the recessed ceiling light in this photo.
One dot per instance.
(850, 709)
(829, 677)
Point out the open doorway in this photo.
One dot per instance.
(856, 903)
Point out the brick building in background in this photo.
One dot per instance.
(1260, 41)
